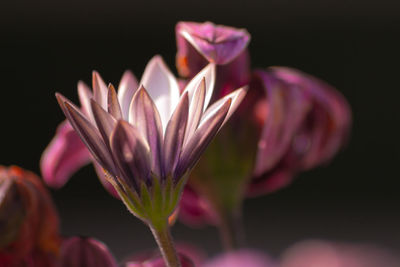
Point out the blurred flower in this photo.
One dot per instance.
(85, 252)
(320, 253)
(288, 122)
(148, 149)
(240, 258)
(28, 220)
(305, 123)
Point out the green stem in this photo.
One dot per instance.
(231, 230)
(165, 243)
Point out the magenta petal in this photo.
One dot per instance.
(287, 106)
(65, 154)
(329, 120)
(85, 252)
(218, 44)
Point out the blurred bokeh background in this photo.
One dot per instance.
(47, 46)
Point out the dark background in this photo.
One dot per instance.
(47, 46)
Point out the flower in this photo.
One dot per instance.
(85, 252)
(29, 227)
(331, 254)
(288, 122)
(149, 140)
(306, 123)
(240, 258)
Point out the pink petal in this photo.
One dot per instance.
(65, 154)
(218, 44)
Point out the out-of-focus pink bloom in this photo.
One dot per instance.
(189, 255)
(190, 258)
(66, 153)
(294, 121)
(29, 227)
(306, 122)
(325, 254)
(85, 252)
(241, 258)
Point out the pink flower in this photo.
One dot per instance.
(329, 254)
(289, 122)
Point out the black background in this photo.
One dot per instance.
(47, 46)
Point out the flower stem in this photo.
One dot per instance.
(165, 243)
(231, 230)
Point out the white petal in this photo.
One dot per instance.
(85, 94)
(236, 97)
(209, 74)
(126, 89)
(162, 87)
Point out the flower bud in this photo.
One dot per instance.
(85, 252)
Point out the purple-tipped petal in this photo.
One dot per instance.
(113, 104)
(162, 86)
(131, 153)
(88, 133)
(175, 134)
(104, 121)
(236, 98)
(100, 90)
(201, 139)
(85, 252)
(207, 73)
(144, 115)
(65, 154)
(126, 89)
(218, 44)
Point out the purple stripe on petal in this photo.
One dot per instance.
(126, 89)
(162, 86)
(104, 121)
(88, 133)
(144, 115)
(175, 135)
(131, 153)
(201, 139)
(196, 109)
(236, 97)
(113, 104)
(65, 154)
(208, 73)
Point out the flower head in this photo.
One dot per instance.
(148, 140)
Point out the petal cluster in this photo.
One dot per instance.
(153, 132)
